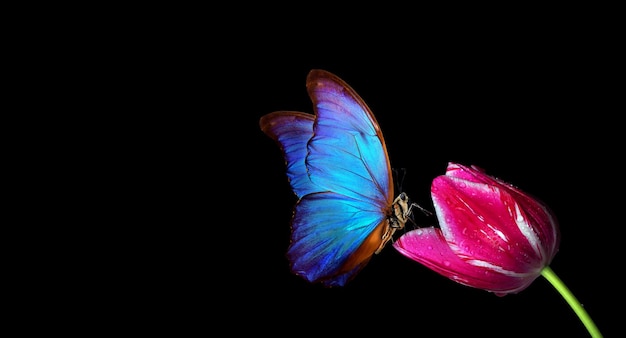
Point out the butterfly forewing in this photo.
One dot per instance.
(347, 153)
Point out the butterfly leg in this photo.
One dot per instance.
(386, 237)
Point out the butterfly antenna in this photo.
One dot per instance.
(399, 179)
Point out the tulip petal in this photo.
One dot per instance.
(535, 220)
(473, 174)
(485, 224)
(541, 224)
(538, 214)
(429, 247)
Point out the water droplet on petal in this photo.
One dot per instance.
(446, 263)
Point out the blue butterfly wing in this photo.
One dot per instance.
(333, 237)
(340, 170)
(347, 153)
(292, 131)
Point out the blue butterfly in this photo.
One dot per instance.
(338, 167)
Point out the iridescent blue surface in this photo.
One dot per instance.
(337, 165)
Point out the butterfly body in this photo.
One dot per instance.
(338, 167)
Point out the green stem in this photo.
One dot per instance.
(572, 301)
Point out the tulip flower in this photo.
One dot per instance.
(491, 236)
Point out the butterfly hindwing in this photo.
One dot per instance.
(327, 229)
(292, 131)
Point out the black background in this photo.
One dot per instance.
(536, 110)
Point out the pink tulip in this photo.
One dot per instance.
(491, 235)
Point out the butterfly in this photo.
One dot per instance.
(338, 167)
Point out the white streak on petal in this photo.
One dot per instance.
(527, 230)
(487, 265)
(498, 232)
